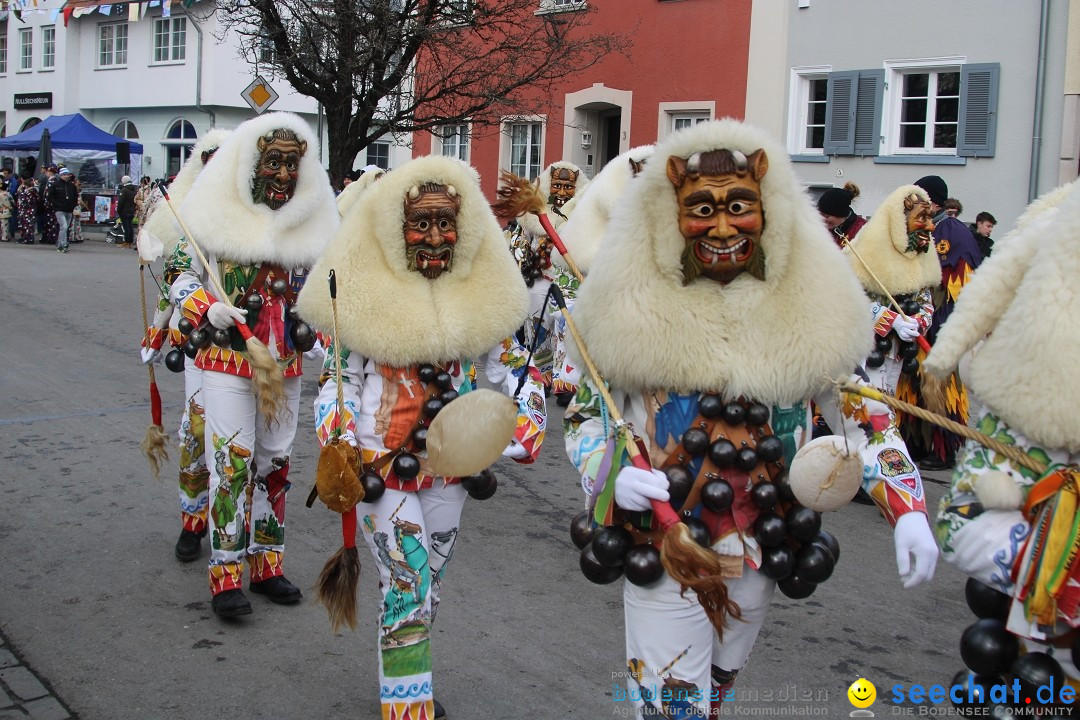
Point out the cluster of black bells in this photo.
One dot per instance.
(992, 655)
(535, 262)
(796, 552)
(908, 351)
(406, 465)
(301, 334)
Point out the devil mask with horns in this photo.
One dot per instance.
(430, 228)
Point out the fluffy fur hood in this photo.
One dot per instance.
(228, 224)
(590, 211)
(397, 316)
(529, 222)
(1026, 298)
(348, 197)
(882, 244)
(777, 340)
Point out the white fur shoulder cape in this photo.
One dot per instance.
(777, 341)
(395, 315)
(228, 224)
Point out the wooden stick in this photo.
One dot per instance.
(923, 342)
(337, 357)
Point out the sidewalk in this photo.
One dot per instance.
(23, 694)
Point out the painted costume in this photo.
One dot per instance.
(1014, 337)
(684, 319)
(427, 297)
(261, 212)
(27, 203)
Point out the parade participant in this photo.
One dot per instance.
(348, 197)
(261, 213)
(424, 287)
(834, 205)
(1002, 523)
(27, 202)
(160, 236)
(48, 223)
(688, 313)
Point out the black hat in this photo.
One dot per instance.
(935, 187)
(835, 202)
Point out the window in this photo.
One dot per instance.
(178, 143)
(3, 52)
(378, 153)
(112, 45)
(264, 50)
(127, 130)
(929, 111)
(685, 120)
(525, 149)
(48, 47)
(170, 39)
(561, 5)
(26, 49)
(455, 141)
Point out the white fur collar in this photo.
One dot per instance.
(347, 198)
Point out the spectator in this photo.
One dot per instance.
(64, 198)
(142, 200)
(47, 213)
(953, 208)
(835, 208)
(125, 209)
(12, 184)
(7, 204)
(981, 229)
(76, 216)
(27, 201)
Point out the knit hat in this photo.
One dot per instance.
(65, 171)
(935, 187)
(123, 181)
(835, 202)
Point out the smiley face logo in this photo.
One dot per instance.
(862, 693)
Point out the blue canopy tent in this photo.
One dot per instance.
(75, 141)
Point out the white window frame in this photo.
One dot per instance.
(120, 129)
(26, 50)
(700, 110)
(114, 43)
(506, 141)
(894, 90)
(799, 110)
(3, 53)
(557, 6)
(382, 143)
(175, 53)
(458, 140)
(48, 48)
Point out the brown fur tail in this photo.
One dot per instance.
(336, 587)
(155, 446)
(934, 392)
(698, 569)
(517, 196)
(267, 380)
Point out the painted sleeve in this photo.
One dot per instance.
(187, 292)
(883, 318)
(585, 431)
(955, 278)
(327, 414)
(155, 336)
(505, 365)
(925, 298)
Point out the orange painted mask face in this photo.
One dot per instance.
(430, 229)
(278, 168)
(721, 215)
(563, 186)
(920, 224)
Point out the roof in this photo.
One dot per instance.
(68, 132)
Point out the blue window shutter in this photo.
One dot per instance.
(868, 100)
(977, 131)
(840, 113)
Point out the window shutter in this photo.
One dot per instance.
(977, 129)
(840, 113)
(868, 100)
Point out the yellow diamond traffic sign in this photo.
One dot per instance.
(259, 95)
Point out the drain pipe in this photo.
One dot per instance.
(198, 74)
(1040, 77)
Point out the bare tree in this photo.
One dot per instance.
(399, 66)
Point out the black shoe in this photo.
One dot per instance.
(933, 463)
(277, 590)
(563, 399)
(189, 546)
(440, 714)
(862, 497)
(230, 604)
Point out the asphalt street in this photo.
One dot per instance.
(93, 600)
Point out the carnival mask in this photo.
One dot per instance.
(278, 167)
(920, 224)
(563, 186)
(431, 212)
(720, 213)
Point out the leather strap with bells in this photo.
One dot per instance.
(260, 280)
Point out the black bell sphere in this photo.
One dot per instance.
(432, 407)
(974, 689)
(279, 286)
(448, 395)
(875, 360)
(717, 495)
(769, 529)
(175, 361)
(419, 438)
(581, 529)
(746, 459)
(988, 648)
(734, 413)
(529, 282)
(796, 588)
(190, 350)
(777, 562)
(444, 380)
(829, 541)
(780, 480)
(610, 543)
(883, 344)
(680, 482)
(723, 453)
(765, 495)
(696, 441)
(910, 307)
(426, 373)
(803, 523)
(757, 415)
(710, 406)
(255, 302)
(987, 602)
(222, 338)
(908, 350)
(535, 273)
(698, 530)
(481, 486)
(185, 326)
(373, 485)
(303, 336)
(199, 338)
(406, 466)
(594, 571)
(642, 565)
(910, 367)
(770, 448)
(1035, 670)
(814, 563)
(294, 312)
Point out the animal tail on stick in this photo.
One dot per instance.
(155, 444)
(517, 196)
(337, 583)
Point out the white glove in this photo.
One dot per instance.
(316, 354)
(906, 330)
(913, 538)
(224, 316)
(515, 451)
(149, 355)
(635, 487)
